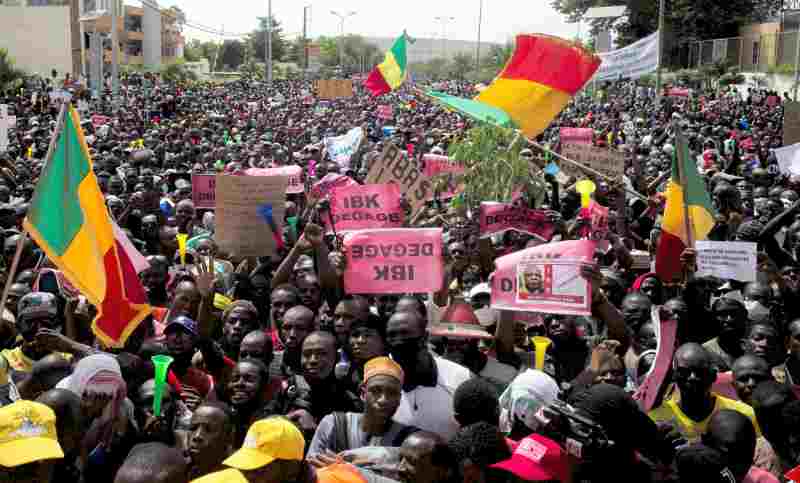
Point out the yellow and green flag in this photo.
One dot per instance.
(389, 74)
(69, 220)
(686, 197)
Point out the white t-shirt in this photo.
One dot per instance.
(431, 408)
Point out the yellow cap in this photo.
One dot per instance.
(230, 475)
(27, 434)
(383, 366)
(268, 440)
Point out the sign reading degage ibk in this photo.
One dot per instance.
(610, 162)
(394, 167)
(368, 206)
(500, 217)
(395, 260)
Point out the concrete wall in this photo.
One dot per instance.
(38, 38)
(151, 27)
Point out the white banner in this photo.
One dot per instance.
(734, 260)
(631, 62)
(342, 148)
(789, 159)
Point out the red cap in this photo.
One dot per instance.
(537, 459)
(459, 322)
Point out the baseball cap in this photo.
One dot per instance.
(230, 475)
(184, 322)
(268, 440)
(27, 434)
(537, 458)
(481, 288)
(459, 322)
(37, 304)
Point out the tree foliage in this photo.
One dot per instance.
(461, 65)
(178, 72)
(356, 52)
(197, 50)
(257, 40)
(10, 76)
(231, 55)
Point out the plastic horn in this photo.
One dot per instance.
(540, 343)
(161, 363)
(181, 237)
(585, 187)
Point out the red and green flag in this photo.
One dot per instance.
(69, 220)
(688, 216)
(389, 74)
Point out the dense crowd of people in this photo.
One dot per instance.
(279, 375)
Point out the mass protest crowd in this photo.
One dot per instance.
(272, 310)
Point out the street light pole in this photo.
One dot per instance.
(268, 47)
(661, 7)
(342, 18)
(478, 51)
(443, 21)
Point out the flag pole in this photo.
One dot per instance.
(680, 144)
(12, 272)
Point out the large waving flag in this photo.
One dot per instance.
(69, 220)
(538, 81)
(689, 215)
(389, 74)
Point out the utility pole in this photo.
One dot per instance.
(269, 42)
(444, 21)
(478, 50)
(305, 36)
(342, 18)
(114, 50)
(661, 7)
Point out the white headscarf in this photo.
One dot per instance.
(527, 394)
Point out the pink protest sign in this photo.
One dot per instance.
(545, 279)
(649, 392)
(98, 120)
(436, 164)
(678, 92)
(385, 112)
(576, 135)
(501, 217)
(599, 218)
(395, 260)
(331, 180)
(204, 191)
(773, 101)
(294, 173)
(368, 206)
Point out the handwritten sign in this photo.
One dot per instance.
(204, 191)
(342, 148)
(293, 173)
(98, 120)
(402, 260)
(733, 260)
(678, 92)
(610, 162)
(240, 225)
(545, 278)
(791, 123)
(385, 112)
(368, 206)
(394, 167)
(576, 135)
(334, 88)
(435, 165)
(500, 217)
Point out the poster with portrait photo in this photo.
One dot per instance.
(552, 283)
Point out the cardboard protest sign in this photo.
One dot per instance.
(610, 162)
(500, 217)
(334, 88)
(435, 164)
(242, 227)
(385, 112)
(727, 259)
(204, 191)
(401, 260)
(545, 278)
(368, 206)
(342, 148)
(293, 173)
(791, 123)
(576, 135)
(394, 167)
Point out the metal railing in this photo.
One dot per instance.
(750, 53)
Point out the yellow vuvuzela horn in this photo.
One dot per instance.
(540, 343)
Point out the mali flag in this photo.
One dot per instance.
(542, 76)
(389, 74)
(69, 220)
(686, 195)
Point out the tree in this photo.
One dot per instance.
(257, 40)
(10, 76)
(462, 64)
(328, 50)
(197, 50)
(178, 72)
(231, 55)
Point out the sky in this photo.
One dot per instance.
(502, 19)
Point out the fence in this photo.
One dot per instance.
(750, 53)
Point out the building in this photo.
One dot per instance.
(46, 35)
